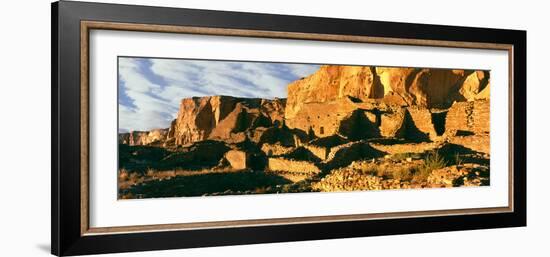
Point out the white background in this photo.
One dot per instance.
(106, 211)
(25, 128)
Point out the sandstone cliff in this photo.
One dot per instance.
(415, 86)
(341, 128)
(356, 102)
(223, 117)
(143, 137)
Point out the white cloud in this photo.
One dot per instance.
(145, 112)
(154, 105)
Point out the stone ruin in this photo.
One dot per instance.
(331, 117)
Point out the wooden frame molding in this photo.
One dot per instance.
(87, 26)
(71, 230)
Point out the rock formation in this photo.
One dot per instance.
(223, 118)
(342, 128)
(143, 137)
(333, 82)
(415, 86)
(330, 119)
(356, 102)
(237, 159)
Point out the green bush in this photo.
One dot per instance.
(432, 161)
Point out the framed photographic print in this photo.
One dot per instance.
(178, 128)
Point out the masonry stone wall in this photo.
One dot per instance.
(287, 165)
(237, 159)
(392, 123)
(422, 120)
(345, 154)
(323, 119)
(472, 117)
(275, 149)
(478, 143)
(405, 148)
(319, 151)
(482, 119)
(294, 176)
(458, 118)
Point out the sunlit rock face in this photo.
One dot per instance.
(143, 137)
(223, 117)
(355, 102)
(342, 128)
(323, 100)
(430, 88)
(330, 83)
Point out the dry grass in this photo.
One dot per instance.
(369, 168)
(123, 174)
(404, 173)
(205, 183)
(128, 179)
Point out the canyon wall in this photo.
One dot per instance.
(223, 117)
(353, 102)
(430, 88)
(143, 137)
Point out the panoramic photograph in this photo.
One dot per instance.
(190, 127)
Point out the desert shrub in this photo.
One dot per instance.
(369, 168)
(378, 171)
(421, 174)
(458, 159)
(432, 161)
(150, 172)
(123, 174)
(134, 177)
(404, 173)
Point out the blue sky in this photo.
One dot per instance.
(150, 89)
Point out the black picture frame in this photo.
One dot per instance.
(66, 235)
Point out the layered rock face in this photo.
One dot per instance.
(385, 101)
(342, 128)
(333, 82)
(430, 88)
(353, 102)
(143, 137)
(223, 118)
